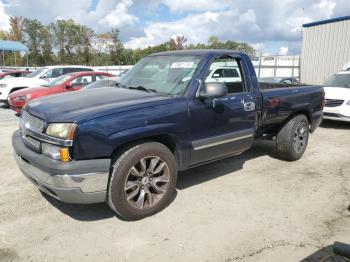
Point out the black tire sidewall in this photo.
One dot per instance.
(119, 172)
(285, 143)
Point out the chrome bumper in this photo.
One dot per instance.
(82, 182)
(82, 188)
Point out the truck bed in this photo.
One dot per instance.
(280, 101)
(266, 85)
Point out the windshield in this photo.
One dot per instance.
(165, 75)
(58, 80)
(338, 80)
(36, 72)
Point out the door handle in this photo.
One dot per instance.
(249, 106)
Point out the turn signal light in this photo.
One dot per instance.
(64, 153)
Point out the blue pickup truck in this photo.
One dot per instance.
(124, 145)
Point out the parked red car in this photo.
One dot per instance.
(14, 73)
(65, 83)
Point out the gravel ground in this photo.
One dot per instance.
(251, 207)
(7, 116)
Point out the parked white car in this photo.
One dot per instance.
(224, 74)
(337, 95)
(37, 78)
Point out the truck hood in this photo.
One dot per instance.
(81, 106)
(337, 93)
(22, 81)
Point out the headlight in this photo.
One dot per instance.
(55, 152)
(61, 130)
(3, 85)
(23, 98)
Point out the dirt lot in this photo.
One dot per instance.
(252, 207)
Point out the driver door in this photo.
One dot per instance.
(224, 126)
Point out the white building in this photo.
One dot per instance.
(325, 50)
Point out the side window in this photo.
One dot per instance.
(227, 70)
(218, 73)
(53, 73)
(232, 72)
(99, 77)
(67, 71)
(82, 81)
(287, 81)
(83, 69)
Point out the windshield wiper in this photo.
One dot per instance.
(142, 88)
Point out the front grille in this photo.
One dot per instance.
(333, 102)
(32, 122)
(32, 143)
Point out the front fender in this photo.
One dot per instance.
(101, 137)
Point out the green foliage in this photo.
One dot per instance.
(215, 43)
(67, 42)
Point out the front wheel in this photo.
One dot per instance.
(292, 139)
(142, 181)
(6, 104)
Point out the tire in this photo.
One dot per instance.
(6, 104)
(142, 180)
(292, 139)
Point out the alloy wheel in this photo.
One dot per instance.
(147, 182)
(300, 137)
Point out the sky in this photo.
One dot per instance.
(270, 26)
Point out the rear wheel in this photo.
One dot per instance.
(142, 180)
(292, 139)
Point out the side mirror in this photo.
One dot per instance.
(69, 85)
(213, 90)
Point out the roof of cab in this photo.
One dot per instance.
(200, 52)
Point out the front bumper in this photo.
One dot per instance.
(82, 182)
(339, 113)
(3, 95)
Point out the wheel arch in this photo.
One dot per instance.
(168, 140)
(300, 112)
(14, 89)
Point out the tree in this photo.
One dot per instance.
(46, 46)
(177, 42)
(116, 48)
(33, 29)
(103, 41)
(215, 43)
(16, 31)
(84, 42)
(3, 35)
(66, 41)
